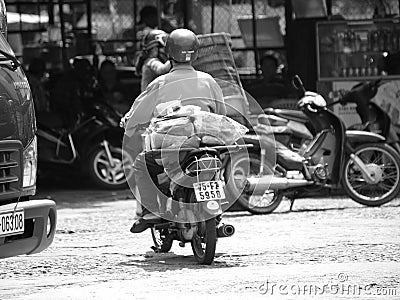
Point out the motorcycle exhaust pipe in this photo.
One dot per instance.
(225, 230)
(258, 185)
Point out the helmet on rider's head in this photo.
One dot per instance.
(155, 38)
(182, 45)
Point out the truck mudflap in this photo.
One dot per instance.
(40, 227)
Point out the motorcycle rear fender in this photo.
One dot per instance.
(254, 140)
(251, 138)
(211, 208)
(357, 136)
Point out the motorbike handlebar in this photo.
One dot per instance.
(361, 93)
(298, 84)
(310, 108)
(333, 103)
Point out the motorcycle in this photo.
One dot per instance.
(193, 212)
(360, 161)
(298, 130)
(373, 117)
(290, 128)
(93, 145)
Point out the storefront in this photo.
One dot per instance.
(360, 43)
(331, 44)
(53, 30)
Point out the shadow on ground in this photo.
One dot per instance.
(158, 262)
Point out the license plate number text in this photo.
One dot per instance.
(209, 190)
(12, 223)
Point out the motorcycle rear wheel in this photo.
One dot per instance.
(381, 160)
(162, 240)
(242, 166)
(204, 242)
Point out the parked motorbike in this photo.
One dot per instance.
(373, 117)
(288, 127)
(193, 212)
(362, 162)
(93, 145)
(299, 130)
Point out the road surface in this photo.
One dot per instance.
(330, 248)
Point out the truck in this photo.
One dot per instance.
(27, 226)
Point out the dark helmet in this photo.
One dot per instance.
(182, 45)
(155, 38)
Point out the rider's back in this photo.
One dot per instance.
(189, 86)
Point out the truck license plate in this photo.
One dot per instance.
(209, 190)
(12, 223)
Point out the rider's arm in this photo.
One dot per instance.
(142, 109)
(158, 67)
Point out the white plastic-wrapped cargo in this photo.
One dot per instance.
(171, 132)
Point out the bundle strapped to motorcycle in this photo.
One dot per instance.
(233, 148)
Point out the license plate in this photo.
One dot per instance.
(12, 223)
(209, 190)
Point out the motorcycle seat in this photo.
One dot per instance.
(289, 114)
(287, 158)
(263, 129)
(272, 120)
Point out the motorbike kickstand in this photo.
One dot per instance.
(291, 204)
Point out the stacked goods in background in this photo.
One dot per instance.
(215, 58)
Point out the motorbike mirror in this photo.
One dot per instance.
(298, 84)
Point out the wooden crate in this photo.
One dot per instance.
(216, 58)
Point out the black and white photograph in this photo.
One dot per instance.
(199, 149)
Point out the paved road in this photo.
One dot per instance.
(325, 248)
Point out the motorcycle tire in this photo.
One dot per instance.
(162, 241)
(105, 176)
(381, 160)
(204, 242)
(235, 172)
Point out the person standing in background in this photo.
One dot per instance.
(148, 21)
(74, 88)
(108, 89)
(152, 62)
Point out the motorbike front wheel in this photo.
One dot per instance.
(204, 242)
(383, 164)
(109, 175)
(241, 167)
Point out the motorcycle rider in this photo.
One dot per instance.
(153, 61)
(182, 83)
